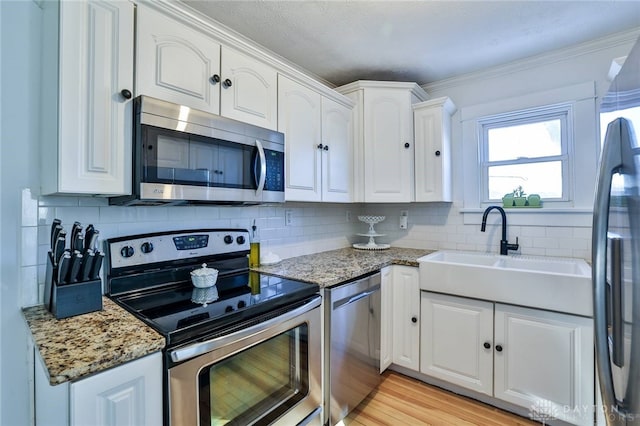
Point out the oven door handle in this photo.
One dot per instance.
(197, 349)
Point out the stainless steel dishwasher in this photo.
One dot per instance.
(352, 344)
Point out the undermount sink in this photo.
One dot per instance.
(559, 284)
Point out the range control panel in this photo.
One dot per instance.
(144, 249)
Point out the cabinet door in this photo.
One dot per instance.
(176, 63)
(432, 123)
(386, 317)
(454, 334)
(546, 362)
(389, 150)
(252, 96)
(406, 317)
(94, 135)
(299, 118)
(128, 395)
(337, 154)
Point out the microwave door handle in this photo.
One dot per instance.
(260, 168)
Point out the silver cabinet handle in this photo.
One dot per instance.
(261, 174)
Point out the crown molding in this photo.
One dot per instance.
(416, 90)
(596, 45)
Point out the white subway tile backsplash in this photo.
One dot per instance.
(57, 201)
(315, 227)
(29, 248)
(28, 285)
(29, 208)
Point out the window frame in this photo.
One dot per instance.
(563, 112)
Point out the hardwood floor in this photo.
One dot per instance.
(402, 400)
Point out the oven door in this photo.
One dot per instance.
(268, 373)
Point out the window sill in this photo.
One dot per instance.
(574, 217)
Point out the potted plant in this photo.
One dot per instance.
(533, 200)
(519, 197)
(507, 200)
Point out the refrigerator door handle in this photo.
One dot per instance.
(610, 163)
(617, 326)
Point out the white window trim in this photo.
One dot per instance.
(585, 152)
(563, 111)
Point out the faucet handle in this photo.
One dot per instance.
(515, 246)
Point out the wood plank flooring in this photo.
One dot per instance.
(402, 400)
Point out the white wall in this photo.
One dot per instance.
(20, 65)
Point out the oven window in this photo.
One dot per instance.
(259, 383)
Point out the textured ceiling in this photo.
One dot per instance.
(421, 41)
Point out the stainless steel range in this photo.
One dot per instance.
(246, 351)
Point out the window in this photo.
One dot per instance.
(528, 149)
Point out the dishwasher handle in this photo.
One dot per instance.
(352, 299)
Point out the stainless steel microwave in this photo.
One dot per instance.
(182, 155)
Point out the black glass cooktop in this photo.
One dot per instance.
(183, 312)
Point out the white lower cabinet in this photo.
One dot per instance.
(400, 322)
(406, 317)
(127, 395)
(539, 360)
(453, 337)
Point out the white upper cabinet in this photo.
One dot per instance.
(337, 152)
(180, 64)
(318, 144)
(176, 63)
(385, 140)
(87, 87)
(432, 124)
(249, 90)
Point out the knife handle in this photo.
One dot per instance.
(76, 260)
(63, 268)
(87, 264)
(78, 243)
(97, 264)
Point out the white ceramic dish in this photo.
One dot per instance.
(270, 259)
(204, 277)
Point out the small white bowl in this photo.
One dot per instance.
(270, 258)
(204, 277)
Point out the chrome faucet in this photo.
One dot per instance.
(504, 244)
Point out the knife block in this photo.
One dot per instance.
(68, 300)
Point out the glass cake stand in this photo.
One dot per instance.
(371, 245)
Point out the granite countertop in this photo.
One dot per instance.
(75, 347)
(336, 266)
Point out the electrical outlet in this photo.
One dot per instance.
(288, 218)
(404, 219)
(348, 215)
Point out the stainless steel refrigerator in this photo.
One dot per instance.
(616, 249)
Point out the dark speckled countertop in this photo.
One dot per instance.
(76, 347)
(336, 266)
